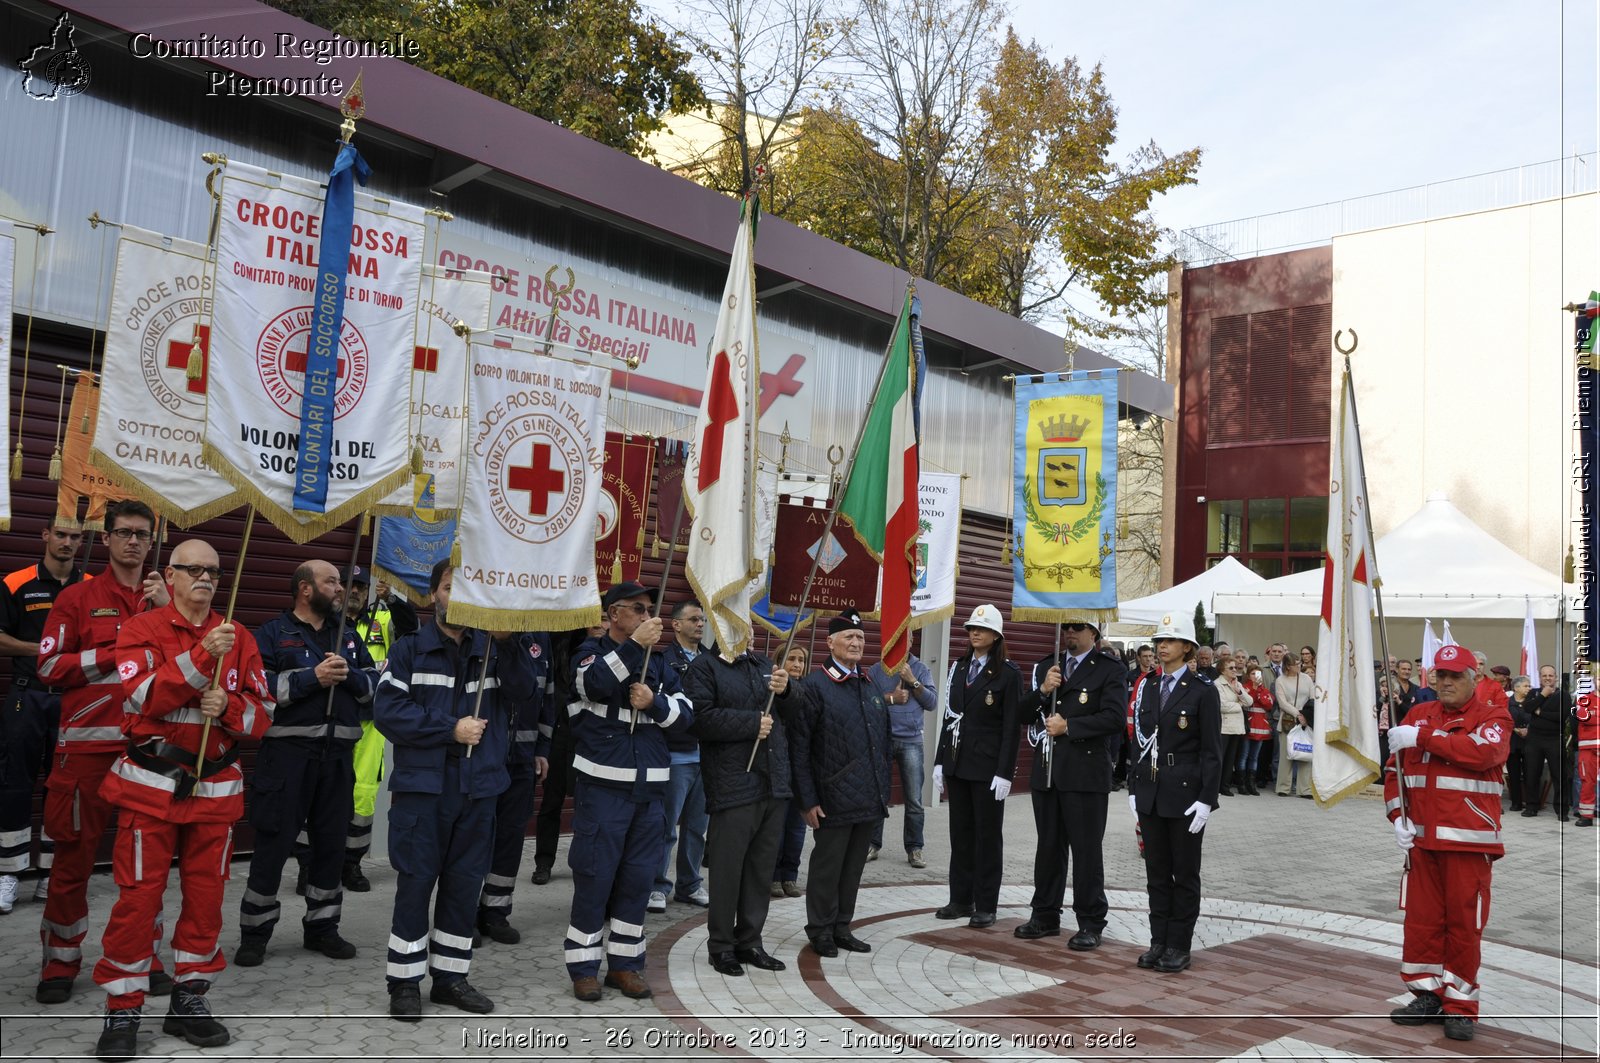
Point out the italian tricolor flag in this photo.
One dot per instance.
(880, 498)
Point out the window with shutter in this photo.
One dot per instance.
(1229, 377)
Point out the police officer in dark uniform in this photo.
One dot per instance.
(1078, 708)
(1177, 771)
(303, 775)
(976, 762)
(32, 712)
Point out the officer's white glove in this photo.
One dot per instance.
(1001, 788)
(1201, 812)
(1405, 835)
(1402, 736)
(938, 778)
(1133, 805)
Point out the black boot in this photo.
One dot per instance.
(1250, 783)
(189, 1016)
(353, 879)
(1228, 783)
(119, 1039)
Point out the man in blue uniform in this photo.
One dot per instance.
(623, 710)
(303, 776)
(450, 749)
(528, 763)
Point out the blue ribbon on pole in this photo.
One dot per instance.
(322, 351)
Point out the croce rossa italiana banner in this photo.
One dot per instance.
(536, 429)
(267, 276)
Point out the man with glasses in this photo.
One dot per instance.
(187, 676)
(686, 794)
(1077, 709)
(32, 709)
(304, 777)
(625, 707)
(77, 652)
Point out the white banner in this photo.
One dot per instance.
(939, 500)
(439, 388)
(8, 268)
(152, 419)
(535, 461)
(267, 272)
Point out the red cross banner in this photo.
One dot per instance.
(453, 308)
(8, 269)
(619, 528)
(152, 413)
(536, 430)
(719, 491)
(268, 281)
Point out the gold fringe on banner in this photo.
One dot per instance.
(1028, 614)
(174, 513)
(487, 619)
(810, 618)
(383, 575)
(285, 520)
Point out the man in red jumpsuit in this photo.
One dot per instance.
(1450, 753)
(167, 659)
(78, 655)
(1587, 712)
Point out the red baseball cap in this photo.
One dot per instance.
(1454, 659)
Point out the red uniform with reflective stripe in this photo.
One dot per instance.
(1587, 712)
(1453, 776)
(78, 654)
(164, 671)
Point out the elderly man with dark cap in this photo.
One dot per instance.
(840, 756)
(624, 707)
(1077, 709)
(1447, 820)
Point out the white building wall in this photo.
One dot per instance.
(1464, 371)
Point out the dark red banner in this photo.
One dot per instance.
(847, 576)
(669, 496)
(619, 529)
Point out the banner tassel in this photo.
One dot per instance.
(55, 465)
(16, 463)
(196, 367)
(616, 570)
(416, 459)
(455, 554)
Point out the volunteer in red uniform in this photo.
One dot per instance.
(1587, 712)
(166, 659)
(78, 654)
(1451, 752)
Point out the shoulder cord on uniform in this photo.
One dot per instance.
(952, 718)
(1149, 746)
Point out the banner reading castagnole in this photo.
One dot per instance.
(152, 416)
(536, 429)
(267, 278)
(450, 298)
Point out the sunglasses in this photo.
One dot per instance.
(196, 571)
(1074, 627)
(637, 607)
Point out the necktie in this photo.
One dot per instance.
(1166, 688)
(972, 673)
(1072, 666)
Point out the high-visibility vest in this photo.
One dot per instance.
(376, 632)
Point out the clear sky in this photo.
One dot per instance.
(1299, 103)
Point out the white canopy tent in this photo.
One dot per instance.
(1226, 575)
(1435, 565)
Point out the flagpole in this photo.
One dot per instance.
(833, 511)
(344, 611)
(661, 592)
(216, 673)
(1377, 580)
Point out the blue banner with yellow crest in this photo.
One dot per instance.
(1063, 558)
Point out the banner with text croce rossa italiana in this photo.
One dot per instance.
(152, 415)
(536, 431)
(450, 299)
(267, 276)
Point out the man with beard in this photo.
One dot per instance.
(303, 775)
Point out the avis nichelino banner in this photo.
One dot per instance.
(267, 279)
(1064, 515)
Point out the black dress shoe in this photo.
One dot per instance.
(501, 931)
(954, 911)
(727, 963)
(759, 958)
(1529, 813)
(330, 945)
(981, 920)
(461, 995)
(405, 1002)
(1033, 929)
(823, 945)
(1084, 940)
(1147, 960)
(1173, 960)
(849, 942)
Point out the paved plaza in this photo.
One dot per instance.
(1296, 958)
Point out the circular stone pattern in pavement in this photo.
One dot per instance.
(1268, 982)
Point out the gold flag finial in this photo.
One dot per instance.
(353, 107)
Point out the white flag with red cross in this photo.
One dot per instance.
(536, 437)
(719, 481)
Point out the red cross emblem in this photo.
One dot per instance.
(425, 360)
(295, 362)
(722, 407)
(540, 479)
(178, 357)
